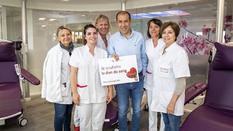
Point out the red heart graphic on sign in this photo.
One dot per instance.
(132, 73)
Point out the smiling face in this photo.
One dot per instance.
(124, 24)
(168, 36)
(103, 26)
(91, 36)
(154, 30)
(64, 37)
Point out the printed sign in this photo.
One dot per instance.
(114, 72)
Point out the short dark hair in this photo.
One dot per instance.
(62, 28)
(123, 13)
(85, 31)
(173, 25)
(155, 21)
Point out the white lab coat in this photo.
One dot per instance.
(91, 110)
(100, 42)
(51, 84)
(153, 56)
(171, 65)
(88, 74)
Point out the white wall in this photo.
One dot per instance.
(14, 28)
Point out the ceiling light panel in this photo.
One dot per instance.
(42, 18)
(160, 14)
(52, 19)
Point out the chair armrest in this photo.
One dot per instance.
(194, 90)
(29, 77)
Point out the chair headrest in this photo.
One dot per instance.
(7, 51)
(223, 59)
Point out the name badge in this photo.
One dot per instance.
(164, 70)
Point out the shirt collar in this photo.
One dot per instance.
(88, 49)
(171, 47)
(131, 35)
(107, 36)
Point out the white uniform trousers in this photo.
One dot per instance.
(153, 115)
(91, 116)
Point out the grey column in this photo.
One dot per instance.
(220, 19)
(123, 5)
(3, 23)
(26, 91)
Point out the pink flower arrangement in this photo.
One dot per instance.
(195, 45)
(228, 27)
(183, 23)
(205, 30)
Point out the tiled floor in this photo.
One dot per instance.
(40, 117)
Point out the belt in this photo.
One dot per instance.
(140, 74)
(148, 72)
(81, 86)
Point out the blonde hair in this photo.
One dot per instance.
(101, 17)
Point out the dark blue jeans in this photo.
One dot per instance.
(172, 122)
(62, 117)
(134, 91)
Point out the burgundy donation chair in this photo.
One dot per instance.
(216, 114)
(10, 91)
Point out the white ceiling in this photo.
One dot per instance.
(90, 5)
(201, 12)
(202, 9)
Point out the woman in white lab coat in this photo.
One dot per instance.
(88, 94)
(169, 74)
(153, 45)
(56, 79)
